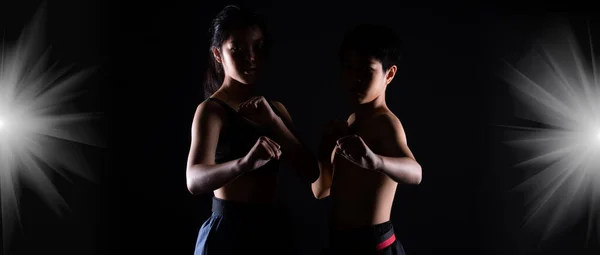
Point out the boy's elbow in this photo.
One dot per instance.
(319, 191)
(321, 194)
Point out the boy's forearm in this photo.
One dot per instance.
(400, 169)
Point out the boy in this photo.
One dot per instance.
(368, 153)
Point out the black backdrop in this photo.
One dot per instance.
(153, 55)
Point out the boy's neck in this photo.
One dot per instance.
(368, 109)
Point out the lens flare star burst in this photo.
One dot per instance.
(557, 87)
(39, 133)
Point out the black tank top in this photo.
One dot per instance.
(238, 136)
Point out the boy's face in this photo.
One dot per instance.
(363, 77)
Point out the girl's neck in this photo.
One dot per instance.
(235, 91)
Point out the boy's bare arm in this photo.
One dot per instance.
(391, 156)
(396, 159)
(321, 187)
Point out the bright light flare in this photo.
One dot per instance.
(40, 132)
(558, 87)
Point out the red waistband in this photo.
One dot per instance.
(381, 245)
(386, 243)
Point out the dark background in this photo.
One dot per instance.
(153, 56)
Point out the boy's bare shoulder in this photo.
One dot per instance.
(390, 136)
(382, 124)
(386, 123)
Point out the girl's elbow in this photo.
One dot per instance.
(418, 179)
(192, 188)
(418, 175)
(196, 189)
(193, 184)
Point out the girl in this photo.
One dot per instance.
(238, 139)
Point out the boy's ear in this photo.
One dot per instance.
(391, 72)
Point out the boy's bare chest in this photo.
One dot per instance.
(368, 132)
(348, 176)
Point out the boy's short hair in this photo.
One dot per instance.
(375, 41)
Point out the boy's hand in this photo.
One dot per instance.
(334, 130)
(258, 110)
(355, 150)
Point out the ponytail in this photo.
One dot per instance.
(213, 78)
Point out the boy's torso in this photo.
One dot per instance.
(361, 197)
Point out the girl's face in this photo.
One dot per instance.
(242, 54)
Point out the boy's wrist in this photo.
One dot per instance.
(379, 164)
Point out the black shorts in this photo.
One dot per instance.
(240, 228)
(376, 239)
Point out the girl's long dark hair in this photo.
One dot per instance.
(232, 17)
